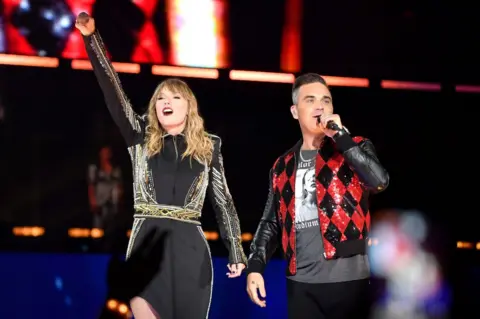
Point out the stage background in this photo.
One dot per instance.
(53, 119)
(74, 287)
(406, 40)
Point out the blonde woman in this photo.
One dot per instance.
(175, 163)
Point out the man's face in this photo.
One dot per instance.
(314, 100)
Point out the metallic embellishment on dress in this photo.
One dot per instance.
(200, 230)
(137, 224)
(193, 189)
(224, 201)
(164, 211)
(99, 48)
(143, 185)
(196, 194)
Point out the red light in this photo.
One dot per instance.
(291, 54)
(147, 49)
(16, 43)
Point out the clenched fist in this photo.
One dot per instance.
(85, 24)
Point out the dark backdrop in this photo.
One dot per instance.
(56, 121)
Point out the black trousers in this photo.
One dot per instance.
(343, 300)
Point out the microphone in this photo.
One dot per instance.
(83, 16)
(331, 125)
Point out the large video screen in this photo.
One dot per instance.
(175, 32)
(280, 36)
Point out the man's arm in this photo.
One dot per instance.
(265, 241)
(362, 158)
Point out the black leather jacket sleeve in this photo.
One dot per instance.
(265, 241)
(363, 160)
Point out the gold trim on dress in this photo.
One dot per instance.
(172, 212)
(137, 224)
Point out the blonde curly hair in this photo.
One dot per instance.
(199, 145)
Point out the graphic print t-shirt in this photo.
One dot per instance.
(312, 267)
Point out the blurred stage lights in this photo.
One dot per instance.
(234, 75)
(119, 307)
(413, 276)
(37, 231)
(410, 223)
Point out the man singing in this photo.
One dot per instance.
(317, 209)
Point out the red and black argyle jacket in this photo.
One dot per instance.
(341, 197)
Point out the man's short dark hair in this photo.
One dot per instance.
(304, 79)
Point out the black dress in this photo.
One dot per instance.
(169, 195)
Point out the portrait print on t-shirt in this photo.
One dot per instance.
(306, 212)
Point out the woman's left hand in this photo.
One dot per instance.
(235, 270)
